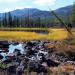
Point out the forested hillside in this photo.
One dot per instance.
(30, 17)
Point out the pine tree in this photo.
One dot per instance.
(73, 15)
(28, 19)
(39, 22)
(5, 20)
(10, 23)
(0, 23)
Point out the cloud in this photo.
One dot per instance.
(8, 1)
(7, 9)
(18, 7)
(44, 2)
(10, 5)
(21, 7)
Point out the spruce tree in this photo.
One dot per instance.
(73, 15)
(10, 23)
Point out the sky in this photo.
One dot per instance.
(10, 5)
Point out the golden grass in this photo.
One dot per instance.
(60, 70)
(54, 34)
(17, 29)
(57, 34)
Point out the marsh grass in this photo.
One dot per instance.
(20, 34)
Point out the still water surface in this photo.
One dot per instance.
(12, 48)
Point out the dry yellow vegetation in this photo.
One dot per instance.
(54, 34)
(63, 70)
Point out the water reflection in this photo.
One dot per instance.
(12, 48)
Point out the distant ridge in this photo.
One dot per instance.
(35, 13)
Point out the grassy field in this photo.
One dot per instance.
(54, 34)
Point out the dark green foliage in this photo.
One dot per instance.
(10, 23)
(5, 21)
(73, 15)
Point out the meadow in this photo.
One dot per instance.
(20, 34)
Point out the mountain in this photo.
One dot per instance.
(35, 13)
(64, 10)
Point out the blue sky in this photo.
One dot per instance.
(9, 5)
